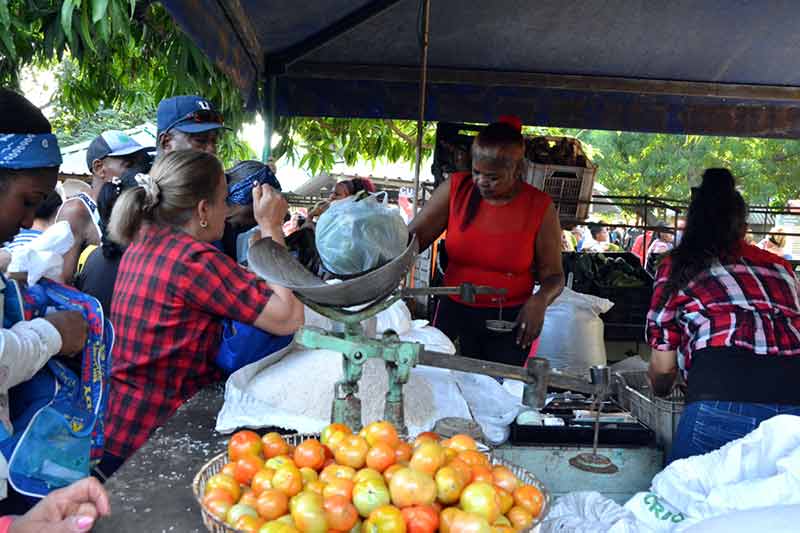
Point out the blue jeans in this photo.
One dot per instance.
(707, 425)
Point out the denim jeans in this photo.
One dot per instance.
(708, 425)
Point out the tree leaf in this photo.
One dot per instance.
(5, 16)
(99, 10)
(8, 42)
(66, 16)
(86, 34)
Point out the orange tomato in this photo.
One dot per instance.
(248, 498)
(381, 432)
(504, 478)
(483, 474)
(333, 433)
(410, 487)
(339, 487)
(450, 454)
(464, 470)
(221, 481)
(336, 471)
(352, 452)
(274, 445)
(464, 522)
(229, 469)
(317, 487)
(427, 436)
(506, 500)
(243, 443)
(248, 524)
(272, 504)
(385, 519)
(403, 452)
(381, 456)
(461, 443)
(446, 518)
(421, 519)
(449, 485)
(473, 458)
(246, 467)
(288, 480)
(428, 458)
(340, 513)
(218, 494)
(529, 498)
(367, 473)
(219, 508)
(520, 518)
(262, 480)
(309, 453)
(389, 473)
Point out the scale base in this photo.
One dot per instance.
(347, 411)
(594, 463)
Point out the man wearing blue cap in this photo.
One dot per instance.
(188, 123)
(109, 155)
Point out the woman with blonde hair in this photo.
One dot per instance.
(174, 289)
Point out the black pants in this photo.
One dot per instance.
(467, 326)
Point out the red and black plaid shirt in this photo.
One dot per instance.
(171, 295)
(751, 303)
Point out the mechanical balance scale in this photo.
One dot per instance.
(351, 302)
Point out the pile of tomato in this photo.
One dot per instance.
(371, 482)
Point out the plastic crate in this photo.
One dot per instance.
(659, 414)
(569, 187)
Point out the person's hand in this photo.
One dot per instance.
(269, 207)
(318, 209)
(271, 165)
(530, 321)
(69, 510)
(73, 329)
(5, 260)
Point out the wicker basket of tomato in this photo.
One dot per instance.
(372, 482)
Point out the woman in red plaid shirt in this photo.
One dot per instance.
(728, 314)
(174, 289)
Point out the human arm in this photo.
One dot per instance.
(663, 333)
(662, 371)
(431, 221)
(84, 232)
(5, 259)
(551, 279)
(72, 509)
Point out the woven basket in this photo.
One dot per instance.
(214, 466)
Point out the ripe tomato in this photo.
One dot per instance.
(464, 522)
(449, 485)
(244, 443)
(288, 480)
(411, 487)
(505, 478)
(482, 474)
(520, 518)
(421, 519)
(336, 471)
(221, 481)
(461, 443)
(352, 452)
(274, 445)
(427, 436)
(474, 458)
(272, 504)
(239, 510)
(317, 487)
(249, 524)
(340, 513)
(403, 452)
(529, 498)
(308, 513)
(247, 467)
(385, 519)
(481, 499)
(382, 432)
(463, 469)
(219, 507)
(229, 469)
(389, 473)
(446, 518)
(381, 456)
(505, 498)
(428, 458)
(339, 487)
(277, 527)
(248, 498)
(262, 480)
(336, 431)
(309, 453)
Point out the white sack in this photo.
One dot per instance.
(43, 257)
(590, 512)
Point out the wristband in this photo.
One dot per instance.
(5, 523)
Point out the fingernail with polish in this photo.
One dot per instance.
(84, 523)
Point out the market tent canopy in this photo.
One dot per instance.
(684, 66)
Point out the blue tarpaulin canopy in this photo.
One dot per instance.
(719, 67)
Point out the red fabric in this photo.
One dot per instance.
(171, 295)
(5, 523)
(638, 247)
(497, 248)
(749, 303)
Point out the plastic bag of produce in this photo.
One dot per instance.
(590, 512)
(572, 334)
(360, 233)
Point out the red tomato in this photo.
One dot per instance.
(310, 453)
(272, 504)
(403, 452)
(382, 432)
(340, 513)
(274, 445)
(421, 519)
(247, 467)
(339, 487)
(244, 443)
(221, 481)
(529, 498)
(428, 457)
(262, 480)
(381, 456)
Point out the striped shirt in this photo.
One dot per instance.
(25, 236)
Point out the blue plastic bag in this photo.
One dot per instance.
(243, 344)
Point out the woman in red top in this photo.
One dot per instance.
(173, 290)
(503, 233)
(728, 314)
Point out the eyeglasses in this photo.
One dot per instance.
(199, 116)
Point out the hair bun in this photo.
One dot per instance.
(718, 180)
(511, 120)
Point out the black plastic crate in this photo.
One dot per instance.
(610, 434)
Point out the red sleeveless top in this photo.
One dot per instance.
(497, 248)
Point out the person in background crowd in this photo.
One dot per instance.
(342, 190)
(43, 218)
(188, 123)
(109, 155)
(241, 226)
(679, 234)
(775, 243)
(641, 245)
(662, 243)
(598, 239)
(578, 232)
(731, 311)
(174, 289)
(503, 233)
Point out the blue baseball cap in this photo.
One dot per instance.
(189, 114)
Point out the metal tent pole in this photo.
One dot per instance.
(269, 115)
(425, 6)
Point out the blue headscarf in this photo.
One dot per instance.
(241, 192)
(29, 150)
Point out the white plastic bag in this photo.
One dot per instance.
(589, 512)
(396, 318)
(359, 234)
(493, 408)
(433, 339)
(43, 257)
(572, 334)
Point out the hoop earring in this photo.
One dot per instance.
(204, 224)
